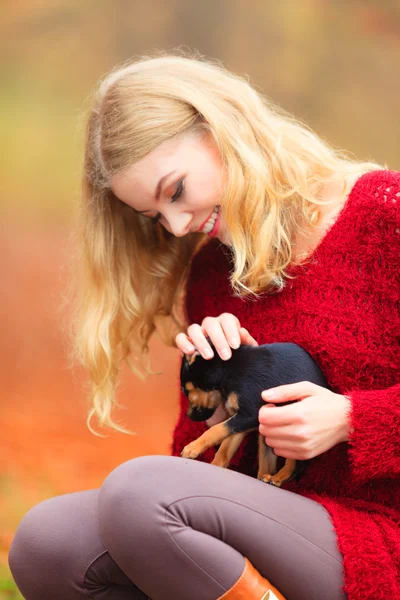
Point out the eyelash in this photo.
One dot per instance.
(178, 193)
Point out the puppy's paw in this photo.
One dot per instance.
(190, 451)
(271, 480)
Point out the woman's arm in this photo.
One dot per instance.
(374, 438)
(368, 420)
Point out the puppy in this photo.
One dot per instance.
(238, 383)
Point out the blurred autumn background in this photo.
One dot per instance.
(333, 64)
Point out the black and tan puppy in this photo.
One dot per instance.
(238, 383)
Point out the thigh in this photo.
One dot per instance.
(194, 518)
(57, 553)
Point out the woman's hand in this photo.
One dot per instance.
(224, 331)
(307, 428)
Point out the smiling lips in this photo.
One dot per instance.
(208, 225)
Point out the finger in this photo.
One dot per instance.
(184, 344)
(231, 327)
(292, 391)
(215, 332)
(197, 335)
(272, 437)
(246, 338)
(277, 416)
(287, 453)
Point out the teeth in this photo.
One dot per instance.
(211, 221)
(209, 227)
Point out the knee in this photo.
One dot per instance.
(133, 483)
(142, 483)
(31, 549)
(53, 545)
(135, 492)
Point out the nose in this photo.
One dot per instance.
(200, 413)
(178, 223)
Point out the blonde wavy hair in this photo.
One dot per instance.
(132, 275)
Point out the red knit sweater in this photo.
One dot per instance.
(344, 309)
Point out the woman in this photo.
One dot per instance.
(305, 247)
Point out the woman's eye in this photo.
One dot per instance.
(178, 193)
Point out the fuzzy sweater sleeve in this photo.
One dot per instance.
(374, 438)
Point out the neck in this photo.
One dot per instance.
(333, 194)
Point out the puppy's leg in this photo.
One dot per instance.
(213, 436)
(266, 459)
(228, 449)
(285, 474)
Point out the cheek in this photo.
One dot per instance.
(204, 189)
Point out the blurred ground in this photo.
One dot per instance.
(45, 447)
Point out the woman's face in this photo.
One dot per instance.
(180, 184)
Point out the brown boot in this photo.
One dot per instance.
(252, 586)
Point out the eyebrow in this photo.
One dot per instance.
(158, 190)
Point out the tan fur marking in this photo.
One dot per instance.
(283, 475)
(190, 358)
(232, 404)
(198, 397)
(189, 386)
(214, 398)
(266, 459)
(228, 449)
(213, 436)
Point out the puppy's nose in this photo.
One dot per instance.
(199, 413)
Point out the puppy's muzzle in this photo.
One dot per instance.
(199, 413)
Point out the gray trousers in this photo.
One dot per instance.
(173, 529)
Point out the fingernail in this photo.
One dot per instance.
(225, 354)
(269, 394)
(207, 353)
(235, 343)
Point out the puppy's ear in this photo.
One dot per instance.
(190, 358)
